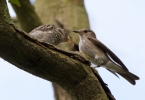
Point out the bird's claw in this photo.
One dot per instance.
(97, 66)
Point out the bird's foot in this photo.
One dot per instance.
(97, 66)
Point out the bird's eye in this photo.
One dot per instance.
(85, 31)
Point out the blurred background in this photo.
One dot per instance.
(119, 24)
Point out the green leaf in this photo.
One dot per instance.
(15, 2)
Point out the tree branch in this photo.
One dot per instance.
(26, 14)
(70, 70)
(40, 60)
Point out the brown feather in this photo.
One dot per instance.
(128, 78)
(113, 73)
(108, 51)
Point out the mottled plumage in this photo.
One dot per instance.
(102, 56)
(50, 34)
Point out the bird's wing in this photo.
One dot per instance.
(41, 31)
(108, 52)
(37, 34)
(48, 27)
(113, 73)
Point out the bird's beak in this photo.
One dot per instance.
(76, 31)
(69, 40)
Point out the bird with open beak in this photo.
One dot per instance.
(50, 34)
(102, 56)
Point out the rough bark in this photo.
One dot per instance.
(69, 70)
(26, 15)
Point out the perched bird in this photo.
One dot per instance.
(101, 55)
(50, 34)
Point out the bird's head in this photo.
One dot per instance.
(85, 33)
(65, 36)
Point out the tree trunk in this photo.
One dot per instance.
(59, 93)
(26, 15)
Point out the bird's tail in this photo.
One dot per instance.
(130, 77)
